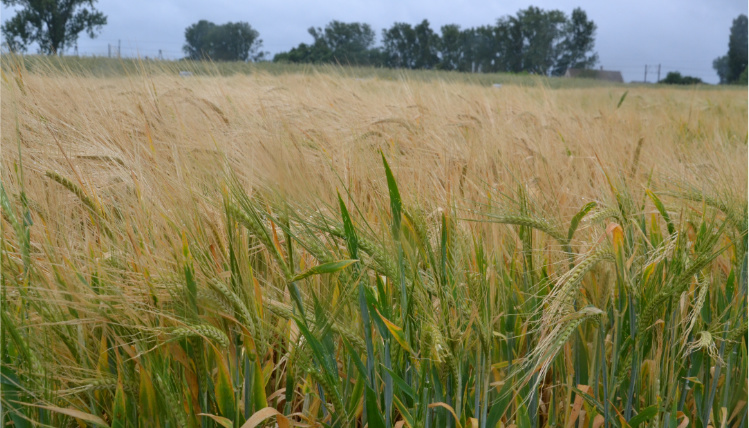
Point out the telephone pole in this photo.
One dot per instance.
(119, 52)
(646, 74)
(109, 50)
(659, 73)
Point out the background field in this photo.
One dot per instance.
(541, 253)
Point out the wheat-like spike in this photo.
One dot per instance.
(66, 183)
(200, 330)
(445, 351)
(549, 345)
(532, 222)
(110, 383)
(319, 252)
(685, 278)
(736, 213)
(173, 401)
(737, 334)
(259, 231)
(329, 388)
(675, 287)
(427, 341)
(385, 263)
(213, 298)
(625, 366)
(601, 215)
(243, 313)
(94, 207)
(560, 301)
(278, 309)
(694, 314)
(380, 256)
(283, 311)
(665, 249)
(201, 366)
(351, 336)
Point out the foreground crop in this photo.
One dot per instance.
(209, 297)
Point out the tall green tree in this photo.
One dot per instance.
(737, 49)
(468, 50)
(542, 34)
(456, 48)
(342, 42)
(399, 46)
(53, 24)
(731, 66)
(450, 47)
(316, 53)
(504, 45)
(427, 46)
(233, 41)
(349, 43)
(720, 65)
(405, 46)
(538, 41)
(576, 49)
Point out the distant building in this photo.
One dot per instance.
(610, 76)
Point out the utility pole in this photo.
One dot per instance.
(646, 74)
(109, 50)
(659, 72)
(119, 45)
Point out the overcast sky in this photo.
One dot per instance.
(681, 35)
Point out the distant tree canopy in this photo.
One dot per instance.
(731, 68)
(233, 41)
(340, 42)
(53, 24)
(675, 78)
(405, 46)
(535, 41)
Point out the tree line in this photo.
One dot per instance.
(538, 41)
(732, 67)
(546, 42)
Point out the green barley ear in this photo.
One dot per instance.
(249, 217)
(109, 384)
(93, 206)
(204, 331)
(560, 302)
(736, 337)
(694, 314)
(246, 317)
(529, 221)
(605, 213)
(555, 334)
(82, 196)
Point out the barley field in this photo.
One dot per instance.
(324, 248)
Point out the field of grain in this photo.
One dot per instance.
(324, 248)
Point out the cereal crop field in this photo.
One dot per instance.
(319, 247)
